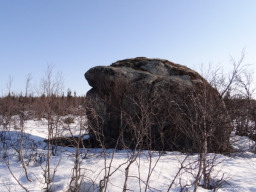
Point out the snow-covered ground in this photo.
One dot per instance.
(234, 172)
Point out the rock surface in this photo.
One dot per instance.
(154, 104)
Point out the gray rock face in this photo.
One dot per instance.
(154, 104)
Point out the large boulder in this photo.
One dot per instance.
(155, 104)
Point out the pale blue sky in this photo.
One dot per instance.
(76, 35)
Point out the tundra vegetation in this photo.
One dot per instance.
(65, 116)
